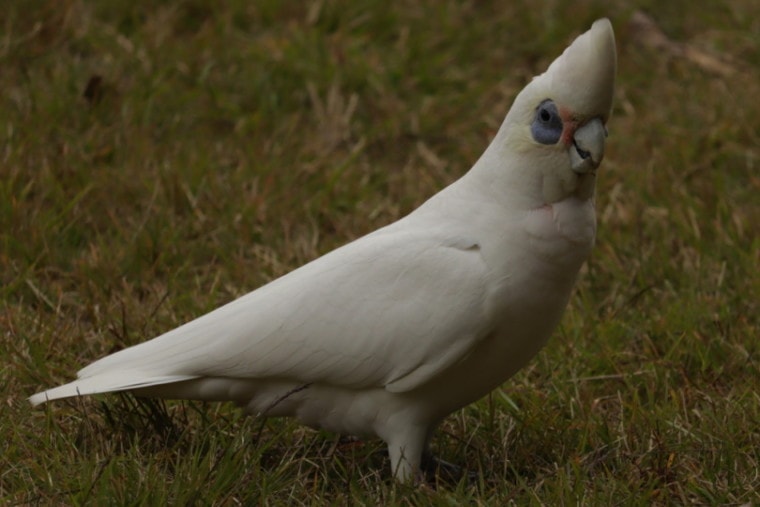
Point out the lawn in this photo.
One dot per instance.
(160, 159)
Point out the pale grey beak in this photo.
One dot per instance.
(587, 151)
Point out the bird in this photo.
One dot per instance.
(388, 334)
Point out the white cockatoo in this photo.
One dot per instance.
(390, 333)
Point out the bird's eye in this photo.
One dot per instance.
(547, 124)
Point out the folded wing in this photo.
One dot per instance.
(392, 309)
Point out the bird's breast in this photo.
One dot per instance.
(533, 267)
(561, 233)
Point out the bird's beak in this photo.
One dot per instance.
(587, 150)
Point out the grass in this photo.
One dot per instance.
(159, 161)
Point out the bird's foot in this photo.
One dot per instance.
(437, 470)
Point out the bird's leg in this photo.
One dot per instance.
(405, 452)
(412, 461)
(405, 462)
(434, 469)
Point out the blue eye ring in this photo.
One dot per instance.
(546, 127)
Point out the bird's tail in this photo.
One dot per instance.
(106, 382)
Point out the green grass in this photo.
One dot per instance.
(227, 143)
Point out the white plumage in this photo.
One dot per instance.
(390, 333)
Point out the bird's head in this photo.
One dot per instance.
(557, 124)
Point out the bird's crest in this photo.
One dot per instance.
(583, 76)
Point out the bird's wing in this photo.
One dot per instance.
(391, 309)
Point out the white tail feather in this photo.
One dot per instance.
(106, 383)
